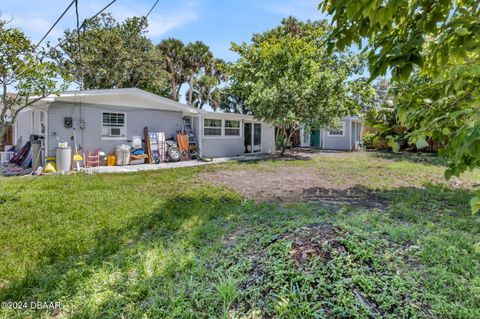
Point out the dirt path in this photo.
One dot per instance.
(293, 184)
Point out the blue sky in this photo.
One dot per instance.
(217, 23)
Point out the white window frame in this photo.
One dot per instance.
(214, 127)
(337, 135)
(114, 138)
(223, 136)
(239, 128)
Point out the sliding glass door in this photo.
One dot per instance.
(252, 136)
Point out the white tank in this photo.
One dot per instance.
(64, 159)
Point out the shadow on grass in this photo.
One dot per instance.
(414, 157)
(186, 224)
(432, 201)
(178, 219)
(276, 158)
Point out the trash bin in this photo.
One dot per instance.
(122, 152)
(64, 159)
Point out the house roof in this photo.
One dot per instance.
(127, 97)
(134, 97)
(221, 115)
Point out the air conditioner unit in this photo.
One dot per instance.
(113, 131)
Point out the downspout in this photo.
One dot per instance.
(350, 135)
(322, 136)
(47, 131)
(200, 135)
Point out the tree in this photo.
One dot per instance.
(432, 50)
(173, 51)
(31, 75)
(234, 99)
(198, 56)
(206, 88)
(291, 80)
(205, 91)
(109, 54)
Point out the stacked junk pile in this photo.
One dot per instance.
(22, 160)
(154, 148)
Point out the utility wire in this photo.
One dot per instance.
(153, 7)
(84, 23)
(53, 26)
(79, 44)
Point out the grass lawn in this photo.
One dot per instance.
(172, 244)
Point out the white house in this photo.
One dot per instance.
(103, 119)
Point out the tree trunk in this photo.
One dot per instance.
(284, 148)
(190, 92)
(174, 90)
(285, 141)
(179, 88)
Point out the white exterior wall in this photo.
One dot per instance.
(268, 138)
(90, 138)
(225, 146)
(337, 142)
(23, 127)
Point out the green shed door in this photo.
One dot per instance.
(315, 138)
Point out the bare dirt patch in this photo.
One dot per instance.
(293, 184)
(315, 240)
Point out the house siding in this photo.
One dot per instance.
(234, 146)
(268, 138)
(338, 142)
(90, 138)
(23, 126)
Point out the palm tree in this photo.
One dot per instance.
(174, 53)
(198, 56)
(217, 68)
(205, 91)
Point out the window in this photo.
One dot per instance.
(336, 130)
(212, 127)
(113, 125)
(232, 128)
(113, 119)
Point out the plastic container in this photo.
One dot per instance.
(111, 160)
(64, 159)
(122, 152)
(136, 142)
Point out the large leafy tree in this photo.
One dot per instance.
(432, 49)
(111, 54)
(31, 75)
(234, 99)
(174, 55)
(290, 78)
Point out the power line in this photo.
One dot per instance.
(84, 23)
(78, 28)
(53, 26)
(79, 44)
(153, 7)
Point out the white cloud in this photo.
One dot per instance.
(161, 20)
(36, 18)
(161, 24)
